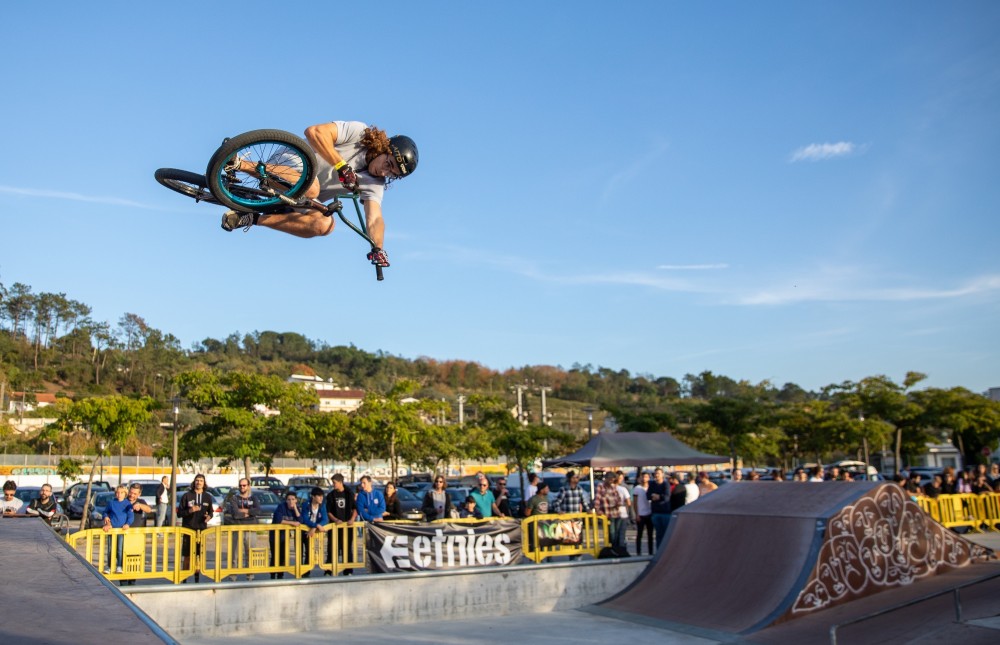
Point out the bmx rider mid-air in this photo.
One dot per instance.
(351, 157)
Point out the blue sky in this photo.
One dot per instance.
(798, 192)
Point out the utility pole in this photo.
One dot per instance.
(461, 410)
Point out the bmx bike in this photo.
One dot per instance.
(262, 171)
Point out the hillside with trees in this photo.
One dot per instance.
(51, 343)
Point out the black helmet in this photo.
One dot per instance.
(404, 151)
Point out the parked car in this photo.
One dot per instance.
(149, 488)
(28, 493)
(419, 489)
(99, 502)
(265, 500)
(296, 483)
(457, 494)
(75, 494)
(272, 484)
(410, 505)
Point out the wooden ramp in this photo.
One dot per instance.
(753, 554)
(50, 595)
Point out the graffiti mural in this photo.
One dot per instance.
(883, 540)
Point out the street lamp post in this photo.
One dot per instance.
(173, 468)
(590, 421)
(47, 472)
(864, 441)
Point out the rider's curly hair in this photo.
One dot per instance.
(375, 141)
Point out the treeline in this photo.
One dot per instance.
(51, 343)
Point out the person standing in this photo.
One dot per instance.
(10, 505)
(139, 511)
(393, 507)
(470, 509)
(532, 486)
(314, 516)
(437, 503)
(286, 514)
(502, 497)
(691, 490)
(162, 501)
(139, 507)
(196, 509)
(485, 501)
(643, 514)
(624, 509)
(242, 509)
(45, 506)
(607, 501)
(117, 515)
(370, 502)
(705, 485)
(572, 498)
(659, 504)
(340, 510)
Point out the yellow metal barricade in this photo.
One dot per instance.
(566, 534)
(956, 512)
(345, 544)
(931, 506)
(147, 553)
(236, 549)
(989, 505)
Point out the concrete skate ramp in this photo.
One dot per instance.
(755, 553)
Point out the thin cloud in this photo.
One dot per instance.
(823, 151)
(692, 267)
(804, 291)
(75, 197)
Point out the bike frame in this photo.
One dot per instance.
(336, 206)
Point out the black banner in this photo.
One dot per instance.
(436, 547)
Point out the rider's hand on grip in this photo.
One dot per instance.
(348, 178)
(378, 257)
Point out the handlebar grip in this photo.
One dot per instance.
(378, 272)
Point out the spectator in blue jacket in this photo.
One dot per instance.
(315, 517)
(285, 514)
(370, 503)
(118, 514)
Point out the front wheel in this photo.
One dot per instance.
(253, 171)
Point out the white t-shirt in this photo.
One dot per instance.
(626, 497)
(14, 504)
(642, 507)
(530, 491)
(350, 148)
(691, 492)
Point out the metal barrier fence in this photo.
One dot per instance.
(978, 513)
(571, 534)
(175, 554)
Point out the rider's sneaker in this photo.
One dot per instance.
(233, 220)
(233, 165)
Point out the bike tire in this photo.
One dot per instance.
(270, 151)
(186, 183)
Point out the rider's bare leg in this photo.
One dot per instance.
(311, 223)
(305, 224)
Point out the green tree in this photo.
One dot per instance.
(69, 469)
(522, 445)
(390, 427)
(241, 413)
(972, 420)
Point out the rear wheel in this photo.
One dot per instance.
(254, 170)
(186, 183)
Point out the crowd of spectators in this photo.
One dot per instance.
(977, 480)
